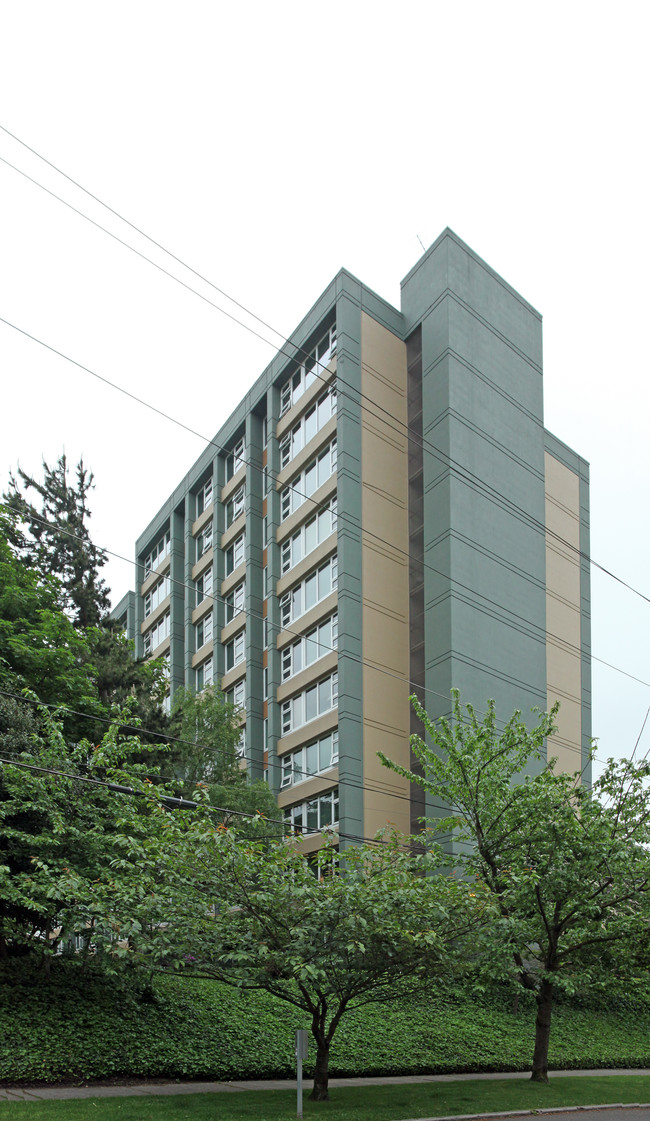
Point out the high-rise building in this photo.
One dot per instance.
(384, 513)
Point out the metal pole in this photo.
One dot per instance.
(299, 1080)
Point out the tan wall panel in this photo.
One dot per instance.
(384, 479)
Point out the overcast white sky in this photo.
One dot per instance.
(269, 145)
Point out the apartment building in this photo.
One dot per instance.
(383, 513)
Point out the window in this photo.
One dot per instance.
(203, 630)
(237, 695)
(315, 814)
(309, 535)
(309, 480)
(204, 497)
(204, 674)
(160, 550)
(241, 746)
(310, 760)
(157, 634)
(312, 702)
(315, 644)
(235, 650)
(154, 598)
(305, 375)
(203, 586)
(235, 505)
(204, 541)
(314, 419)
(235, 601)
(234, 554)
(310, 591)
(235, 459)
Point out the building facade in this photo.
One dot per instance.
(384, 513)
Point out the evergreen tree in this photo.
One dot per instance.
(55, 539)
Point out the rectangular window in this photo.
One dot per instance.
(235, 650)
(235, 553)
(235, 505)
(157, 634)
(313, 759)
(154, 598)
(318, 813)
(308, 536)
(235, 459)
(310, 703)
(204, 497)
(203, 586)
(308, 426)
(316, 643)
(204, 674)
(237, 695)
(306, 374)
(321, 468)
(204, 541)
(241, 746)
(235, 601)
(203, 631)
(160, 550)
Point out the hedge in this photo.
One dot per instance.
(74, 1027)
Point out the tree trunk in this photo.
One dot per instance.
(542, 1032)
(321, 1072)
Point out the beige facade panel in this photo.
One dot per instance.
(205, 607)
(203, 519)
(230, 487)
(309, 732)
(233, 627)
(312, 560)
(202, 654)
(307, 454)
(312, 842)
(155, 615)
(234, 579)
(233, 675)
(154, 577)
(308, 788)
(306, 677)
(563, 651)
(201, 565)
(384, 480)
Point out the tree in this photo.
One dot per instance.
(324, 938)
(58, 541)
(205, 752)
(567, 866)
(60, 835)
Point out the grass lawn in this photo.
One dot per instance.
(367, 1103)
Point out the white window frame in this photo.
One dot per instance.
(293, 602)
(204, 540)
(156, 556)
(294, 548)
(237, 695)
(205, 674)
(235, 602)
(203, 586)
(316, 699)
(309, 425)
(235, 650)
(317, 471)
(235, 505)
(312, 815)
(235, 458)
(203, 631)
(310, 647)
(157, 634)
(204, 497)
(156, 595)
(235, 553)
(313, 366)
(299, 765)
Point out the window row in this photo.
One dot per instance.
(157, 634)
(235, 459)
(315, 644)
(235, 650)
(309, 535)
(321, 468)
(310, 760)
(204, 497)
(203, 631)
(204, 674)
(309, 592)
(307, 427)
(235, 505)
(306, 374)
(160, 550)
(310, 703)
(154, 598)
(315, 814)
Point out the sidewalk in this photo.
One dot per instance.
(145, 1088)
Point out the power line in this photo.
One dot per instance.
(461, 471)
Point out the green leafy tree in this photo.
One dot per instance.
(325, 937)
(53, 537)
(567, 866)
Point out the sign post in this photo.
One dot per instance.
(301, 1053)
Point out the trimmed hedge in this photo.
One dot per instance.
(84, 1027)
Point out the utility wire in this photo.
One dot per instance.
(462, 472)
